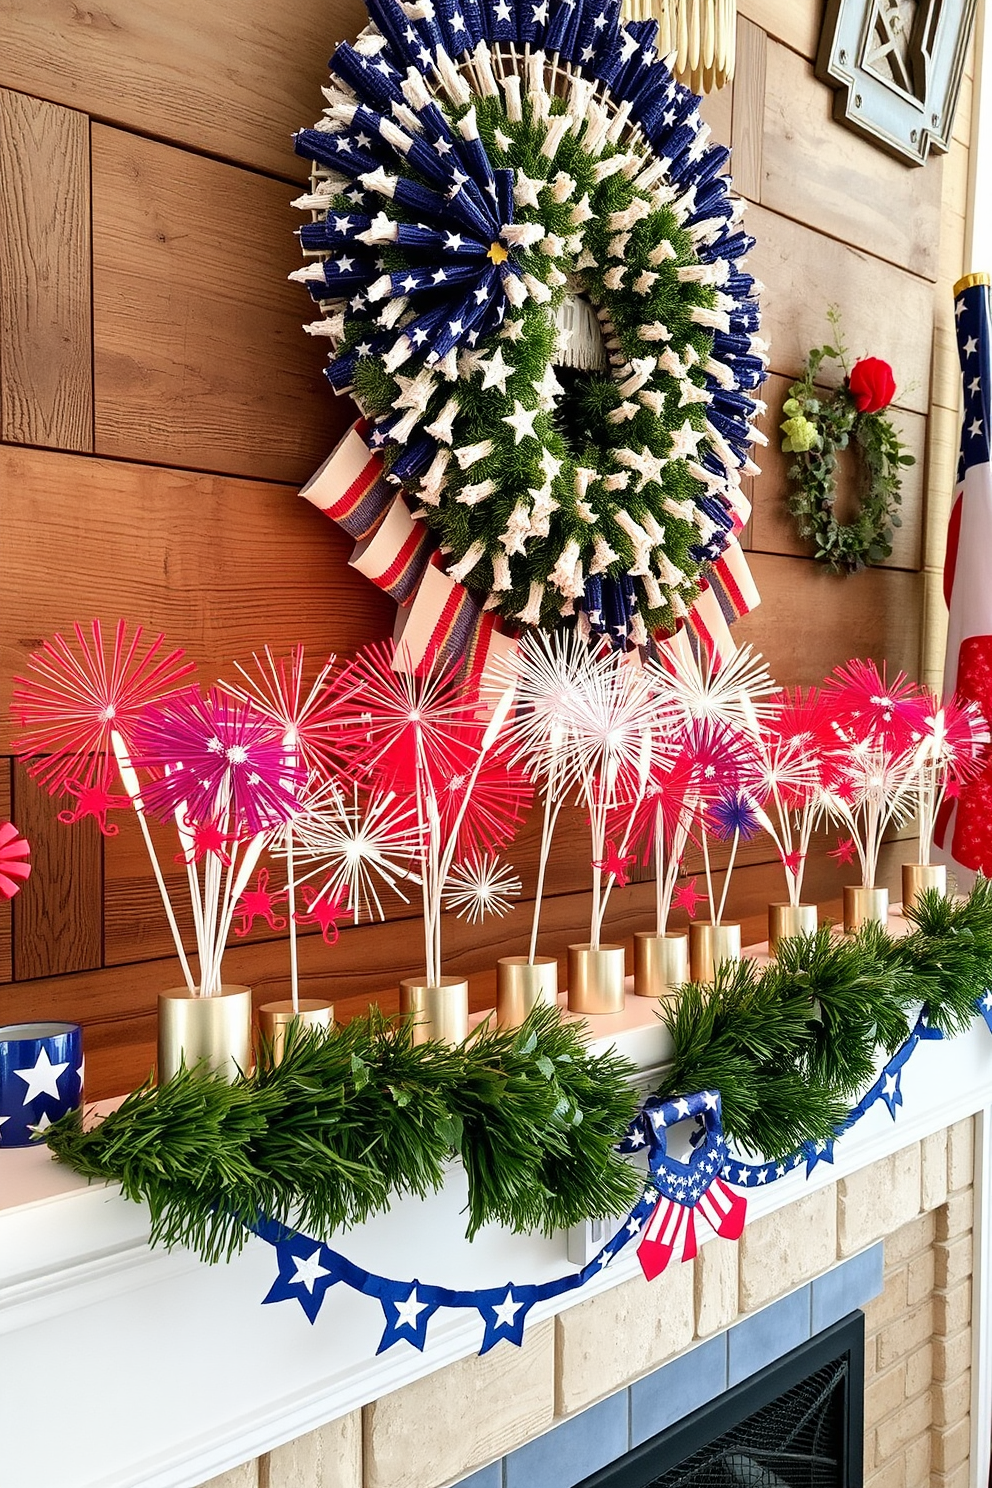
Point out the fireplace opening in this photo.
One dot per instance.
(798, 1423)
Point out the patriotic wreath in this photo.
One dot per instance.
(529, 268)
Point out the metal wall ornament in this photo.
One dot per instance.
(897, 67)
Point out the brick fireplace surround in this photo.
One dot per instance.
(593, 1382)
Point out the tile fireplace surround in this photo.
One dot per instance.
(122, 1367)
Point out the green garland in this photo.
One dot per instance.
(815, 427)
(349, 1120)
(791, 1045)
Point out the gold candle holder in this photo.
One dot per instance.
(916, 877)
(204, 1033)
(863, 905)
(786, 920)
(522, 985)
(595, 979)
(661, 962)
(439, 1012)
(276, 1018)
(710, 944)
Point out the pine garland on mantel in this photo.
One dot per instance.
(350, 1120)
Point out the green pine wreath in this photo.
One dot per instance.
(816, 426)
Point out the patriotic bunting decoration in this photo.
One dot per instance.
(529, 265)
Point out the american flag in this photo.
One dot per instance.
(965, 830)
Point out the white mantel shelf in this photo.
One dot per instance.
(124, 1367)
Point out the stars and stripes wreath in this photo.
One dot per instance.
(529, 267)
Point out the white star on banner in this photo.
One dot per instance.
(970, 346)
(889, 1085)
(682, 1106)
(710, 1098)
(743, 1174)
(636, 1139)
(975, 428)
(506, 1311)
(408, 1311)
(633, 1226)
(763, 1175)
(43, 1079)
(308, 1271)
(502, 11)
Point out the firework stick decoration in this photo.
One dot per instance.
(79, 709)
(955, 739)
(275, 687)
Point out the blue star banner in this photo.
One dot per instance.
(41, 1078)
(662, 1222)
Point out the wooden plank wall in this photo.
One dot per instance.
(160, 406)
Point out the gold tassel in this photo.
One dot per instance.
(702, 35)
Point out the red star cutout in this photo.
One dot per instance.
(793, 861)
(687, 897)
(615, 864)
(952, 790)
(259, 903)
(95, 801)
(845, 850)
(208, 838)
(322, 911)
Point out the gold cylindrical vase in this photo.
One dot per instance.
(204, 1033)
(595, 979)
(439, 1012)
(786, 920)
(661, 962)
(710, 944)
(917, 877)
(863, 905)
(275, 1019)
(522, 985)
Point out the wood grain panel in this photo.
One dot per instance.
(811, 620)
(231, 80)
(57, 914)
(885, 311)
(46, 378)
(6, 970)
(856, 194)
(773, 530)
(221, 565)
(200, 358)
(749, 108)
(796, 22)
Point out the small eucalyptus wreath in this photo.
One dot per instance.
(816, 425)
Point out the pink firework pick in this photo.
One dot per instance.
(14, 866)
(866, 704)
(79, 695)
(221, 759)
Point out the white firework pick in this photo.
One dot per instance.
(359, 842)
(733, 690)
(877, 790)
(481, 886)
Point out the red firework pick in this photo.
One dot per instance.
(306, 716)
(500, 797)
(402, 729)
(79, 695)
(259, 903)
(958, 735)
(845, 850)
(686, 897)
(14, 865)
(221, 756)
(865, 704)
(208, 837)
(323, 909)
(801, 737)
(615, 864)
(93, 800)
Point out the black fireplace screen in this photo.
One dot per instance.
(796, 1442)
(799, 1423)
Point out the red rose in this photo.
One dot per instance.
(872, 385)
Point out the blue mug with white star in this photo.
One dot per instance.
(41, 1078)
